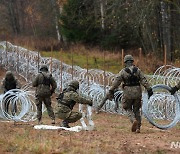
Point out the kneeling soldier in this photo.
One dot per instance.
(66, 101)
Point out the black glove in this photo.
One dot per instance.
(150, 92)
(110, 95)
(173, 90)
(90, 103)
(52, 91)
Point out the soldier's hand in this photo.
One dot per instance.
(52, 91)
(173, 90)
(90, 103)
(97, 109)
(110, 95)
(150, 92)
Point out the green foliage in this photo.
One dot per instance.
(112, 65)
(78, 24)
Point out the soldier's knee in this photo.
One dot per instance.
(125, 107)
(80, 115)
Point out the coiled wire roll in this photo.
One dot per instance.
(162, 109)
(18, 105)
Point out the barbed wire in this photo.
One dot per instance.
(94, 83)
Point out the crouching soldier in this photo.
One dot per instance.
(66, 101)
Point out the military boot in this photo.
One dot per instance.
(53, 121)
(40, 121)
(134, 126)
(138, 128)
(64, 123)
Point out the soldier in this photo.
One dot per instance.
(9, 83)
(132, 79)
(45, 86)
(175, 88)
(66, 101)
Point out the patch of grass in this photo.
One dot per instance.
(95, 61)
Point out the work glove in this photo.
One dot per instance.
(173, 90)
(110, 95)
(52, 91)
(98, 109)
(150, 92)
(90, 102)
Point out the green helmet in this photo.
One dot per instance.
(9, 75)
(128, 58)
(44, 68)
(74, 84)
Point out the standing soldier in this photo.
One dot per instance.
(9, 83)
(66, 101)
(175, 88)
(132, 79)
(45, 86)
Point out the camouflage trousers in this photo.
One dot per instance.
(47, 102)
(132, 107)
(65, 113)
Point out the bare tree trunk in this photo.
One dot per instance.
(166, 26)
(56, 14)
(14, 16)
(102, 9)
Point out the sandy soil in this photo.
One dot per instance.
(111, 136)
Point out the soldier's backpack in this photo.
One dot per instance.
(133, 79)
(43, 89)
(46, 80)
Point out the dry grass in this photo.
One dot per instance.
(112, 135)
(112, 61)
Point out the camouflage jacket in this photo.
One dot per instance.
(131, 89)
(178, 85)
(71, 97)
(45, 84)
(10, 84)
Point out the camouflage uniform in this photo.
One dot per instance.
(132, 79)
(45, 86)
(9, 83)
(175, 88)
(66, 101)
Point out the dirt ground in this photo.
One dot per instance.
(112, 135)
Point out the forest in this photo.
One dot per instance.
(152, 25)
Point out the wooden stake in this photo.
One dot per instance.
(87, 67)
(104, 78)
(17, 50)
(27, 64)
(72, 62)
(165, 56)
(61, 78)
(6, 53)
(122, 56)
(140, 54)
(51, 59)
(38, 60)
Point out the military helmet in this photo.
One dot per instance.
(9, 75)
(74, 84)
(44, 68)
(128, 58)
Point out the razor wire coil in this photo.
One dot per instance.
(25, 63)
